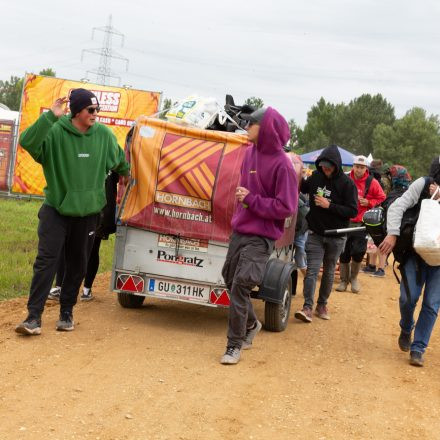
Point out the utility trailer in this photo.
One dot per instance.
(174, 222)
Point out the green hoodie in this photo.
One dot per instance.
(75, 164)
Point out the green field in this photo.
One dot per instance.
(18, 246)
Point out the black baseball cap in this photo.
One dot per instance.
(255, 117)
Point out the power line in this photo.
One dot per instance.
(106, 53)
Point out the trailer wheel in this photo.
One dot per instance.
(129, 301)
(276, 316)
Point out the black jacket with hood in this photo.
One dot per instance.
(339, 189)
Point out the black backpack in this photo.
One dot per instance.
(404, 244)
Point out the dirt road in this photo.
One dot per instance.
(153, 373)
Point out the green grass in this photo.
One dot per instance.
(18, 246)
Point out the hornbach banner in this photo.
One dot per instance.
(6, 134)
(184, 179)
(119, 109)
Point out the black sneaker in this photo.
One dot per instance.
(30, 326)
(86, 296)
(404, 341)
(416, 358)
(65, 323)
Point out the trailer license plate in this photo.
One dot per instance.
(189, 292)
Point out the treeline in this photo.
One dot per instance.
(365, 125)
(368, 124)
(10, 90)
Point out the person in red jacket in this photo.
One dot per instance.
(370, 194)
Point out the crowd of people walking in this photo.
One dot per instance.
(78, 154)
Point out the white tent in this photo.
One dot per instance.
(7, 114)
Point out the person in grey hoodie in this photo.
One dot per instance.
(418, 273)
(266, 196)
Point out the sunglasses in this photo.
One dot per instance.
(249, 124)
(92, 110)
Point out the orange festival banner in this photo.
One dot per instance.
(119, 109)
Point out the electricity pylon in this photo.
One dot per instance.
(106, 53)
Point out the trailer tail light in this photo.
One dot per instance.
(130, 283)
(219, 297)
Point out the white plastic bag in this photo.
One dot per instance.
(427, 231)
(194, 111)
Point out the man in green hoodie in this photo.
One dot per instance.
(76, 153)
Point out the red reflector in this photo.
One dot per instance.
(130, 283)
(219, 297)
(119, 283)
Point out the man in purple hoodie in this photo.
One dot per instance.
(266, 196)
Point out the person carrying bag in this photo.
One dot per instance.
(420, 275)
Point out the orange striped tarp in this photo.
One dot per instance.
(184, 179)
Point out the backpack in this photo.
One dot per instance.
(404, 248)
(404, 243)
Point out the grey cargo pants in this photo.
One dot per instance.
(244, 269)
(325, 251)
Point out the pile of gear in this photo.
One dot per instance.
(206, 113)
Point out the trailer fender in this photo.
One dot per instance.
(275, 279)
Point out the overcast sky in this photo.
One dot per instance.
(288, 52)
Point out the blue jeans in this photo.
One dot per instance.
(300, 252)
(430, 278)
(325, 251)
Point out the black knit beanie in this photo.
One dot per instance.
(434, 171)
(81, 98)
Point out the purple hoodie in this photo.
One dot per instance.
(270, 177)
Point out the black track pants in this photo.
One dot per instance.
(55, 232)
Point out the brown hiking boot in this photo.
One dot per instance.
(322, 312)
(305, 314)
